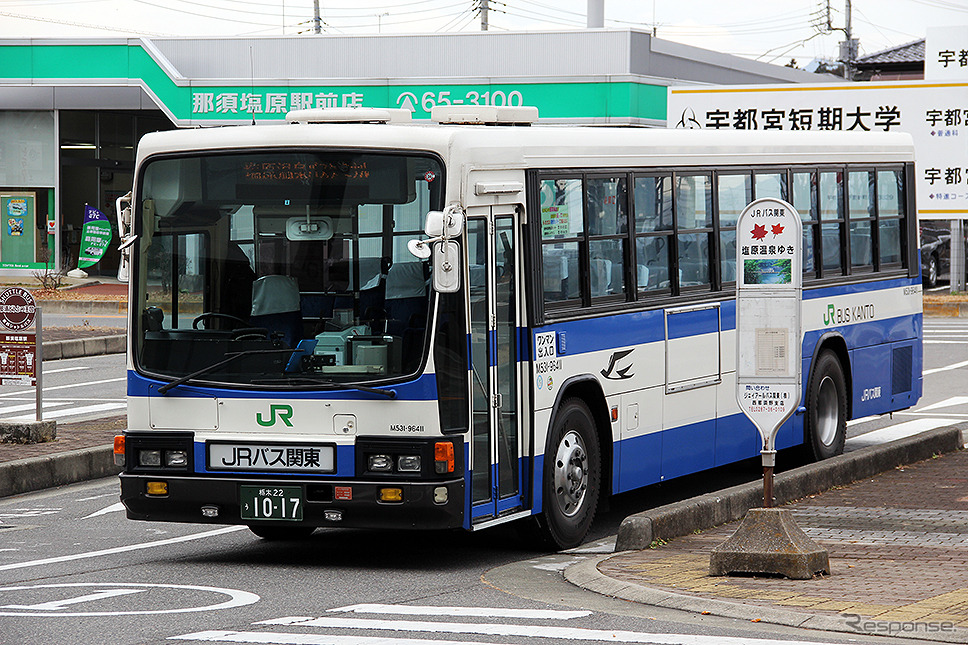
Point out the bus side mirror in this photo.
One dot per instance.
(441, 226)
(446, 224)
(446, 272)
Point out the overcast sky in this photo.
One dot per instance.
(768, 30)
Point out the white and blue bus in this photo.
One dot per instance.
(301, 355)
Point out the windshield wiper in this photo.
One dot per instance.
(214, 366)
(327, 383)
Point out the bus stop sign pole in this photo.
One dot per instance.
(769, 240)
(769, 279)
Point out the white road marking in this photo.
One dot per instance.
(953, 366)
(493, 629)
(236, 599)
(30, 512)
(120, 549)
(104, 511)
(84, 409)
(66, 369)
(945, 342)
(93, 497)
(950, 415)
(947, 403)
(58, 605)
(899, 431)
(486, 612)
(31, 406)
(854, 422)
(64, 387)
(276, 638)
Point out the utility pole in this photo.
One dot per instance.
(484, 9)
(851, 47)
(595, 14)
(316, 22)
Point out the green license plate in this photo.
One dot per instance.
(272, 503)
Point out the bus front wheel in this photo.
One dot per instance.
(572, 475)
(826, 428)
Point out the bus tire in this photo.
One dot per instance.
(826, 427)
(572, 476)
(278, 533)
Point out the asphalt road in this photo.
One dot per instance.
(73, 569)
(74, 389)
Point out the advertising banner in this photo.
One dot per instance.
(934, 114)
(95, 237)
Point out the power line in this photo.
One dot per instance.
(70, 23)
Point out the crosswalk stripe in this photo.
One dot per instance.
(70, 385)
(84, 409)
(31, 406)
(487, 612)
(285, 638)
(527, 631)
(278, 638)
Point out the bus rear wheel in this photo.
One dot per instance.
(826, 427)
(572, 476)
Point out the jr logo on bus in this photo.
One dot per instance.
(276, 413)
(846, 315)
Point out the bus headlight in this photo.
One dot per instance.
(379, 463)
(176, 458)
(149, 457)
(408, 463)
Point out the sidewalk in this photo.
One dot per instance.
(898, 545)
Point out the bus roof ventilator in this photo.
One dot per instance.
(484, 114)
(350, 115)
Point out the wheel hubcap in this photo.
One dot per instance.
(828, 411)
(571, 473)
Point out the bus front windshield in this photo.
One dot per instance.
(283, 268)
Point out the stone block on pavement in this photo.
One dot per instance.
(27, 431)
(769, 542)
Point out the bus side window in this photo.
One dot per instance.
(562, 227)
(607, 207)
(694, 224)
(890, 215)
(652, 205)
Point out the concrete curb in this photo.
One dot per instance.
(78, 347)
(706, 511)
(84, 307)
(37, 473)
(947, 310)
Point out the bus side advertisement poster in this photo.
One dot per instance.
(768, 329)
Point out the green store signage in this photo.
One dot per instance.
(191, 103)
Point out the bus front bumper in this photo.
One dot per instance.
(350, 504)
